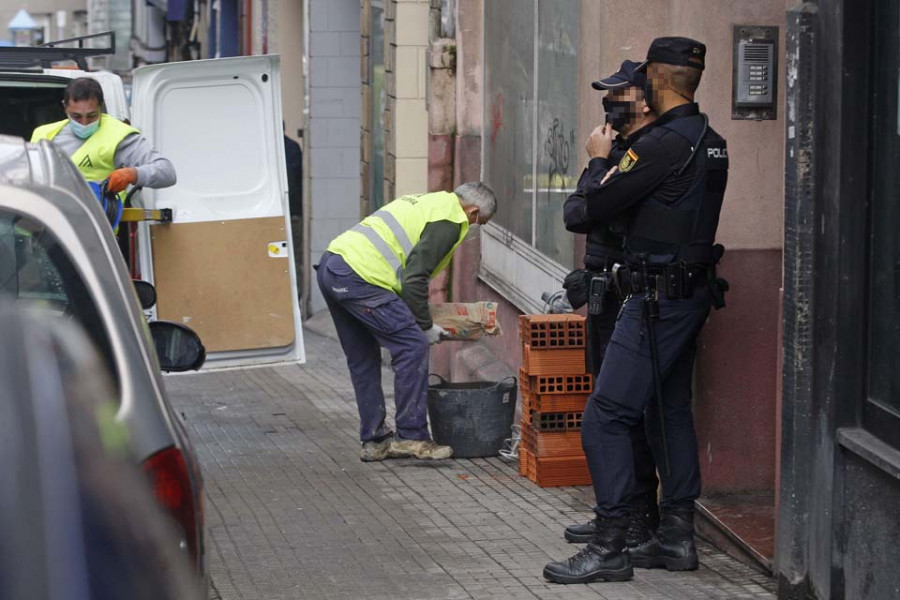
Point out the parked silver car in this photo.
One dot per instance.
(77, 521)
(59, 258)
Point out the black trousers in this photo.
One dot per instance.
(624, 391)
(599, 331)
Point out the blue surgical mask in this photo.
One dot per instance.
(84, 131)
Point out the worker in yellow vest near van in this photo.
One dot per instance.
(374, 278)
(101, 146)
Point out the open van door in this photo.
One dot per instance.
(224, 265)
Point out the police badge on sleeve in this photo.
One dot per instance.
(628, 161)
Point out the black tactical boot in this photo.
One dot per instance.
(643, 520)
(581, 533)
(604, 558)
(672, 547)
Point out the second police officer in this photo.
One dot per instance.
(628, 116)
(671, 183)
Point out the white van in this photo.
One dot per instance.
(224, 265)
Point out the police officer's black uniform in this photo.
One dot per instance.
(603, 249)
(672, 181)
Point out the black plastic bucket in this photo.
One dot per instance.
(472, 418)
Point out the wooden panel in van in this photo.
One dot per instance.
(218, 278)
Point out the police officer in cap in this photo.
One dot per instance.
(671, 181)
(628, 116)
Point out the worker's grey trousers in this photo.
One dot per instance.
(367, 317)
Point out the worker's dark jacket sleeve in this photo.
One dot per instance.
(658, 155)
(575, 209)
(438, 238)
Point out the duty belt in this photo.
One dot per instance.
(677, 281)
(599, 264)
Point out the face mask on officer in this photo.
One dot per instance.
(619, 112)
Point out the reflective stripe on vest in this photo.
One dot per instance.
(388, 236)
(382, 246)
(397, 229)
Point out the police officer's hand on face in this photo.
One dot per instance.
(600, 141)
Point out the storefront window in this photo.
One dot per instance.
(530, 155)
(509, 112)
(557, 116)
(884, 278)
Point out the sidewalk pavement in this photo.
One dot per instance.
(292, 512)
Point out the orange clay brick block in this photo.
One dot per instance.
(556, 384)
(526, 416)
(551, 444)
(555, 471)
(527, 463)
(552, 331)
(565, 421)
(552, 361)
(554, 403)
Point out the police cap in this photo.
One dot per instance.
(679, 51)
(626, 76)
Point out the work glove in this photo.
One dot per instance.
(121, 178)
(435, 334)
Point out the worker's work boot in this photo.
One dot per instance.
(426, 449)
(643, 519)
(672, 547)
(603, 559)
(375, 450)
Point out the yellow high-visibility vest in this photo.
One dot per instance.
(95, 158)
(378, 247)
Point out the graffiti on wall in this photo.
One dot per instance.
(557, 147)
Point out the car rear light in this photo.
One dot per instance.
(172, 486)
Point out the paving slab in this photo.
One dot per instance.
(292, 513)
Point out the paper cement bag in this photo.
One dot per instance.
(466, 321)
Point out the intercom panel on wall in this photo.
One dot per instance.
(754, 94)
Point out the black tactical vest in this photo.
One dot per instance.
(685, 230)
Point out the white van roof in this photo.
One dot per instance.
(113, 89)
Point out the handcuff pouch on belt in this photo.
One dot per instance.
(585, 286)
(577, 285)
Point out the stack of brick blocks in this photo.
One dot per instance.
(555, 387)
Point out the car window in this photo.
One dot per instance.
(37, 273)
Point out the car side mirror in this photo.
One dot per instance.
(177, 346)
(146, 293)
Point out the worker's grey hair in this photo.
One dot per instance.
(477, 194)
